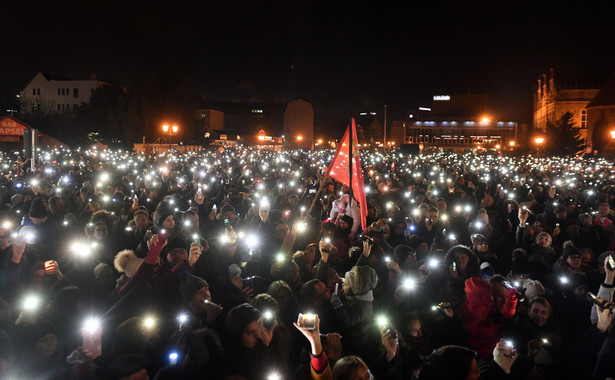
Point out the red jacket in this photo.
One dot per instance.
(477, 316)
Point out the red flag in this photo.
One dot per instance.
(338, 170)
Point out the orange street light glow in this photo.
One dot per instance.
(165, 127)
(539, 140)
(175, 128)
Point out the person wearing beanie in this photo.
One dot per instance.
(568, 265)
(355, 312)
(38, 352)
(196, 296)
(47, 237)
(159, 275)
(164, 221)
(247, 343)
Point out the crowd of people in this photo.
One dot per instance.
(250, 264)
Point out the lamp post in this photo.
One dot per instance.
(538, 141)
(170, 130)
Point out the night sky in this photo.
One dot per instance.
(344, 57)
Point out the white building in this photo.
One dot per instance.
(48, 93)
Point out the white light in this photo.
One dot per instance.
(91, 326)
(149, 322)
(31, 302)
(251, 241)
(563, 280)
(433, 263)
(408, 284)
(182, 318)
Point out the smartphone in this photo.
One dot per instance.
(227, 224)
(149, 234)
(391, 329)
(602, 304)
(508, 285)
(337, 287)
(268, 319)
(611, 263)
(307, 321)
(199, 190)
(92, 341)
(214, 208)
(312, 191)
(248, 282)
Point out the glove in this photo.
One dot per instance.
(336, 301)
(504, 357)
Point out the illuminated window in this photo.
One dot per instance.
(584, 118)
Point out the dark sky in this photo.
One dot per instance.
(342, 56)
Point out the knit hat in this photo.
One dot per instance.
(239, 317)
(401, 252)
(127, 262)
(102, 270)
(570, 250)
(190, 286)
(479, 237)
(227, 207)
(362, 279)
(347, 219)
(177, 241)
(160, 215)
(38, 208)
(234, 270)
(533, 288)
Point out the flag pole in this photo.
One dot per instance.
(350, 133)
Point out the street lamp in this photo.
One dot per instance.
(538, 141)
(170, 130)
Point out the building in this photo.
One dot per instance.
(553, 99)
(299, 124)
(460, 136)
(11, 135)
(456, 123)
(49, 93)
(601, 119)
(284, 124)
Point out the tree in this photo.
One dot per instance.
(564, 137)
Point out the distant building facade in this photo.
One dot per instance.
(275, 124)
(49, 93)
(552, 100)
(456, 123)
(299, 124)
(601, 119)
